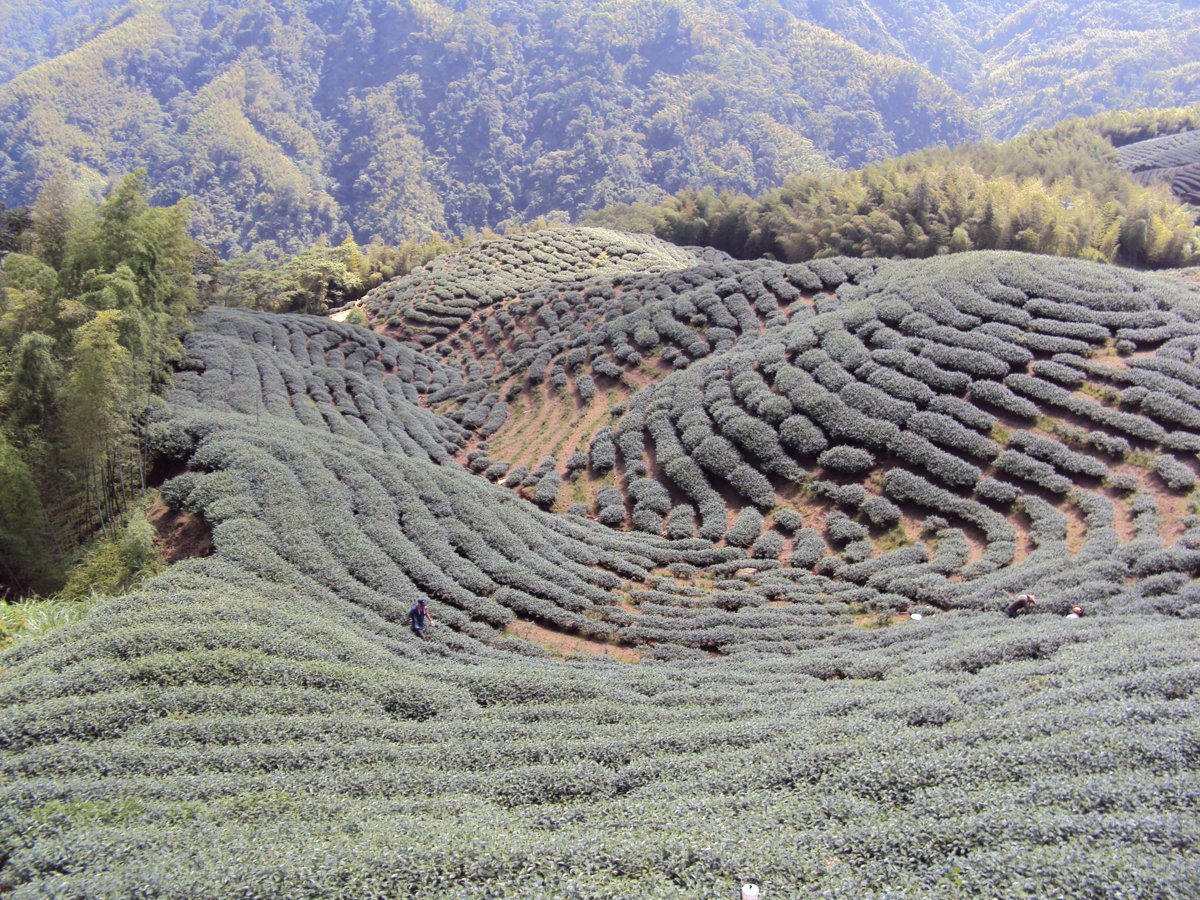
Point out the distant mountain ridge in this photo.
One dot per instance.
(290, 120)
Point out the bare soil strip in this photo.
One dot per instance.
(568, 645)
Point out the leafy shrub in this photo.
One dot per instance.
(548, 486)
(681, 523)
(810, 548)
(768, 546)
(1175, 474)
(745, 529)
(802, 437)
(115, 564)
(847, 459)
(603, 451)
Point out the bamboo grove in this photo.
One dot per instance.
(1088, 188)
(91, 298)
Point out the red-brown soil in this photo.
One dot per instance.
(181, 535)
(568, 645)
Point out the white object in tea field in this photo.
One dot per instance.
(749, 892)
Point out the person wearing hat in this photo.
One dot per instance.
(1022, 604)
(418, 617)
(1075, 613)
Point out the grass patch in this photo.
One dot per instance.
(107, 567)
(867, 617)
(1107, 395)
(1143, 459)
(32, 617)
(895, 538)
(96, 812)
(579, 493)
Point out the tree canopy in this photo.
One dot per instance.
(1060, 192)
(90, 303)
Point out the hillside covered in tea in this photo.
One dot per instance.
(718, 553)
(1173, 158)
(293, 120)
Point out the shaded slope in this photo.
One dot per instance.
(261, 722)
(34, 32)
(1048, 61)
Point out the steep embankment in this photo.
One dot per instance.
(885, 437)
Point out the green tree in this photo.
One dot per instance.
(96, 415)
(311, 282)
(81, 348)
(95, 407)
(22, 543)
(118, 290)
(136, 258)
(321, 277)
(960, 240)
(13, 224)
(51, 217)
(32, 393)
(28, 293)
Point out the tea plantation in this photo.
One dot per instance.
(1173, 158)
(679, 651)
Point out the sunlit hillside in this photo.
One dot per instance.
(718, 555)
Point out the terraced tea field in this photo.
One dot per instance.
(674, 514)
(1173, 158)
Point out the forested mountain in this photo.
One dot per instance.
(31, 33)
(293, 120)
(1031, 64)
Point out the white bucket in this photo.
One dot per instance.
(749, 892)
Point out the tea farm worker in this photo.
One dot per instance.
(420, 616)
(1075, 613)
(1022, 604)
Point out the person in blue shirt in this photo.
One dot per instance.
(420, 616)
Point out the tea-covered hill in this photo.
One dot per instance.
(720, 677)
(292, 120)
(1173, 158)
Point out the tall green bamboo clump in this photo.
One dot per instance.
(90, 302)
